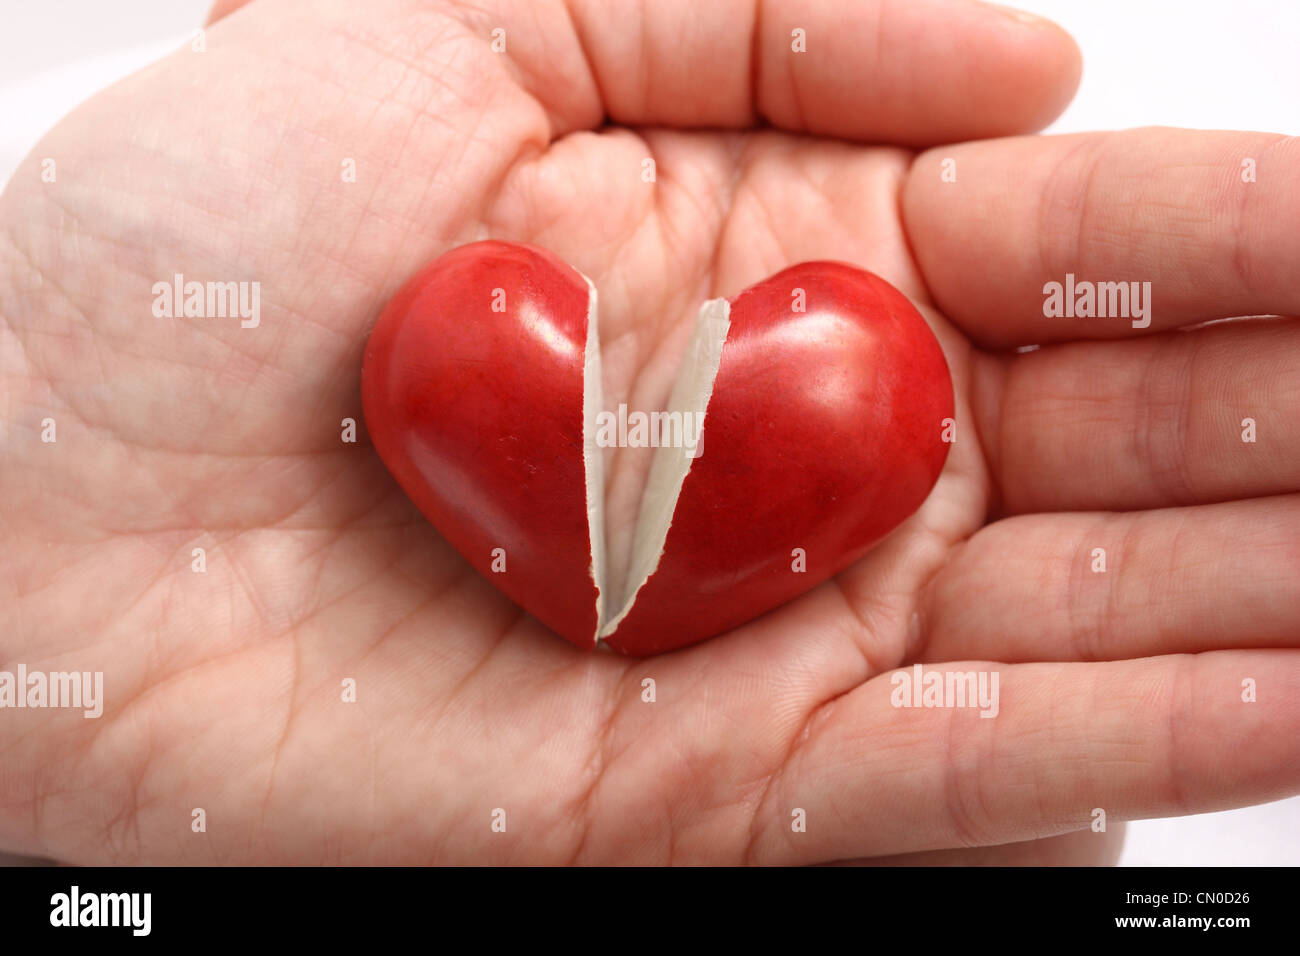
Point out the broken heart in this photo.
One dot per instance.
(822, 394)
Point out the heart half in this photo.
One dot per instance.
(823, 396)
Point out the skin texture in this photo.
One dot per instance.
(1120, 691)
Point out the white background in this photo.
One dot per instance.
(1233, 64)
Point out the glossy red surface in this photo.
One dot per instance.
(823, 433)
(478, 415)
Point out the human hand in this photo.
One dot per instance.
(223, 688)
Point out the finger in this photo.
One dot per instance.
(903, 71)
(1156, 737)
(1177, 209)
(1175, 419)
(1097, 587)
(1080, 848)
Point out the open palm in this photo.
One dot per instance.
(225, 689)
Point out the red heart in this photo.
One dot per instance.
(824, 431)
